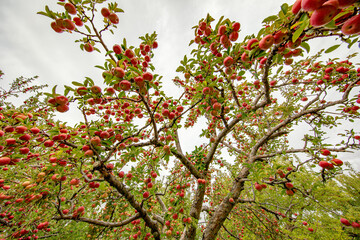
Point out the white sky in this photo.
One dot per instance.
(29, 47)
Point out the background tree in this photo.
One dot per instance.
(120, 172)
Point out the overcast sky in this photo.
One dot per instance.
(29, 47)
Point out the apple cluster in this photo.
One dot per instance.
(60, 102)
(323, 11)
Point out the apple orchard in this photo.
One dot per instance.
(120, 171)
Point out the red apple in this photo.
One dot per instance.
(113, 18)
(345, 221)
(325, 152)
(70, 8)
(4, 161)
(323, 15)
(125, 85)
(311, 5)
(266, 42)
(119, 72)
(129, 53)
(351, 26)
(337, 162)
(147, 76)
(69, 25)
(105, 12)
(81, 91)
(146, 194)
(250, 43)
(88, 47)
(346, 3)
(228, 61)
(324, 164)
(296, 7)
(95, 89)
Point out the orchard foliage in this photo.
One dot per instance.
(121, 173)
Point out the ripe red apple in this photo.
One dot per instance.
(121, 174)
(56, 28)
(81, 91)
(117, 49)
(296, 7)
(324, 164)
(95, 89)
(80, 209)
(10, 141)
(89, 153)
(105, 12)
(289, 192)
(345, 221)
(346, 3)
(20, 129)
(250, 43)
(125, 85)
(351, 26)
(334, 3)
(355, 225)
(325, 152)
(228, 61)
(311, 5)
(236, 26)
(289, 185)
(231, 200)
(266, 42)
(337, 162)
(62, 108)
(279, 37)
(113, 18)
(147, 76)
(78, 21)
(70, 8)
(323, 15)
(69, 25)
(24, 150)
(310, 229)
(119, 72)
(304, 223)
(74, 181)
(95, 141)
(88, 47)
(258, 187)
(129, 53)
(62, 100)
(146, 194)
(4, 161)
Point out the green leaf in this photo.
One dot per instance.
(43, 13)
(87, 28)
(54, 90)
(285, 8)
(118, 10)
(180, 69)
(270, 19)
(332, 48)
(306, 46)
(77, 84)
(101, 67)
(124, 43)
(112, 62)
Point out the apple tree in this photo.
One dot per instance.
(265, 108)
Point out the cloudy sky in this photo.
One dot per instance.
(29, 47)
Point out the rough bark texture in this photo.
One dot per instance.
(130, 198)
(195, 211)
(224, 209)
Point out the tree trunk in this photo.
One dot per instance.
(223, 210)
(195, 211)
